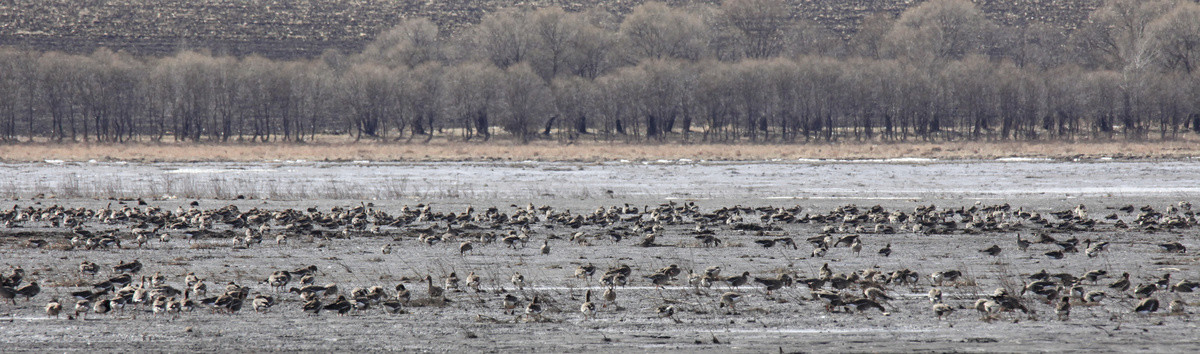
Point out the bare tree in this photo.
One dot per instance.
(656, 31)
(504, 38)
(939, 30)
(527, 102)
(410, 43)
(762, 25)
(1176, 37)
(1116, 33)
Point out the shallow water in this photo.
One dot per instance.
(807, 179)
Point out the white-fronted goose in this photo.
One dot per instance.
(588, 308)
(53, 308)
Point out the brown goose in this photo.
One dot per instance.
(53, 308)
(737, 281)
(1122, 284)
(534, 308)
(29, 290)
(1063, 310)
(511, 302)
(942, 310)
(8, 293)
(1147, 306)
(729, 300)
(588, 308)
(435, 292)
(473, 282)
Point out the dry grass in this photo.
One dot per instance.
(338, 149)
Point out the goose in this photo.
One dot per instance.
(1094, 249)
(331, 289)
(82, 307)
(825, 273)
(157, 279)
(1177, 306)
(875, 293)
(130, 267)
(610, 297)
(159, 305)
(713, 271)
(511, 302)
(187, 304)
(464, 247)
(772, 284)
(1185, 286)
(313, 306)
(829, 298)
(1145, 290)
(534, 308)
(341, 305)
(1122, 284)
(886, 250)
(935, 295)
(588, 308)
(29, 290)
(262, 303)
(729, 299)
(940, 277)
(1022, 244)
(666, 311)
(393, 305)
(1095, 275)
(473, 282)
(992, 251)
(174, 306)
(1063, 310)
(856, 246)
(302, 271)
(102, 307)
(987, 308)
(53, 308)
(862, 305)
(13, 280)
(1055, 254)
(402, 294)
(1093, 296)
(1147, 306)
(942, 310)
(585, 271)
(452, 281)
(518, 280)
(191, 279)
(9, 294)
(659, 280)
(671, 271)
(435, 292)
(89, 268)
(738, 281)
(1164, 282)
(1173, 247)
(545, 247)
(279, 279)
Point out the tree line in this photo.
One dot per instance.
(743, 71)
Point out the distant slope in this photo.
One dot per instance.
(295, 28)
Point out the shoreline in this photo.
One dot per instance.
(550, 151)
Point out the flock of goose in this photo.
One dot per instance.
(133, 287)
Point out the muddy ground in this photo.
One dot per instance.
(785, 320)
